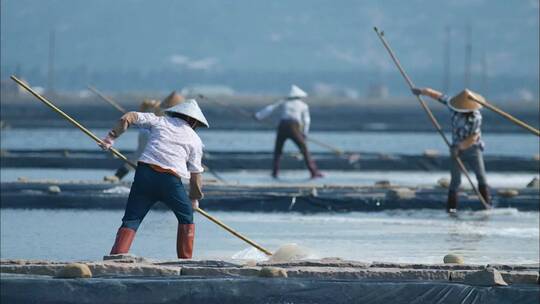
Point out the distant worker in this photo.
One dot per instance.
(466, 140)
(294, 125)
(170, 101)
(174, 151)
(147, 106)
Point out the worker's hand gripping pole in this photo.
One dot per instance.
(430, 115)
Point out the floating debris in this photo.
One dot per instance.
(444, 182)
(383, 184)
(117, 190)
(507, 192)
(432, 153)
(400, 193)
(54, 189)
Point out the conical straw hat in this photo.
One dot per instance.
(149, 105)
(462, 103)
(170, 101)
(189, 108)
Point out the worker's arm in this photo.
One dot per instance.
(195, 189)
(266, 111)
(128, 119)
(434, 94)
(121, 126)
(306, 121)
(195, 167)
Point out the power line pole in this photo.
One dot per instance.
(468, 54)
(446, 58)
(50, 74)
(484, 74)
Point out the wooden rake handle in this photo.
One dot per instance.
(121, 156)
(507, 116)
(431, 116)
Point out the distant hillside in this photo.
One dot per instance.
(262, 46)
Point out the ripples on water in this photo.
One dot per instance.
(231, 140)
(495, 236)
(288, 177)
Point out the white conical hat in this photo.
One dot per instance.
(189, 108)
(296, 92)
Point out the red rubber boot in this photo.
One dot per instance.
(184, 241)
(124, 238)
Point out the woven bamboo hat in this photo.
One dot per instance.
(149, 105)
(463, 103)
(172, 100)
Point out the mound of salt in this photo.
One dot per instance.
(290, 252)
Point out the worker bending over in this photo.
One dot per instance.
(174, 151)
(294, 125)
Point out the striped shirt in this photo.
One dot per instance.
(464, 124)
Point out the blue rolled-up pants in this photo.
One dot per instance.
(151, 186)
(472, 158)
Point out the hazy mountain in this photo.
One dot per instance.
(261, 46)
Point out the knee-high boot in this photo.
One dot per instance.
(484, 191)
(275, 167)
(184, 241)
(315, 173)
(124, 238)
(452, 203)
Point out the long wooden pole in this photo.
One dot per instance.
(431, 117)
(107, 99)
(507, 116)
(247, 114)
(121, 156)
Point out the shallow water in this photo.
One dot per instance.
(231, 140)
(497, 236)
(287, 177)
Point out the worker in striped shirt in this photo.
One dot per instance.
(466, 140)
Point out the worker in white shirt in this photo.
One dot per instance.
(294, 125)
(174, 151)
(151, 106)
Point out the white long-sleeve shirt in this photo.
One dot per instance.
(294, 109)
(172, 143)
